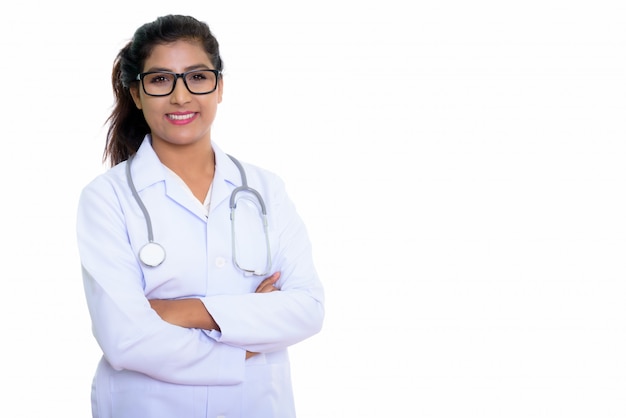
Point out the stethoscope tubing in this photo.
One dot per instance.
(152, 254)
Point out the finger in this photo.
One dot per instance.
(273, 278)
(266, 288)
(268, 281)
(267, 285)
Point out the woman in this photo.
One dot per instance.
(197, 322)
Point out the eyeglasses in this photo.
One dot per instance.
(163, 83)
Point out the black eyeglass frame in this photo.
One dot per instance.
(141, 76)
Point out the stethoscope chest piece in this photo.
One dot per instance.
(152, 254)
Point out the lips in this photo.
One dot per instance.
(181, 118)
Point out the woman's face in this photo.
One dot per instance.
(181, 118)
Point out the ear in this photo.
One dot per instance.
(134, 92)
(220, 89)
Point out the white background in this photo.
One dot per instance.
(460, 166)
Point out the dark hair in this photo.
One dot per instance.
(127, 125)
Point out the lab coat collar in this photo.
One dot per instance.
(148, 170)
(227, 177)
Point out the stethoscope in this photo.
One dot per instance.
(152, 254)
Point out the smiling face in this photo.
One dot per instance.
(181, 118)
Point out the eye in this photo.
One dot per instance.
(198, 76)
(159, 78)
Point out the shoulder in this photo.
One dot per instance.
(104, 185)
(257, 175)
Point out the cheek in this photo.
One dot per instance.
(151, 109)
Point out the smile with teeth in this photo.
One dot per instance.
(181, 117)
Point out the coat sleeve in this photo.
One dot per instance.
(266, 322)
(131, 335)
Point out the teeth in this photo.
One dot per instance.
(181, 117)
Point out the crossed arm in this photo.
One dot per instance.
(191, 313)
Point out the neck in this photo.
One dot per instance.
(195, 160)
(193, 163)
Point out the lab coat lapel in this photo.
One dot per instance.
(148, 170)
(183, 196)
(226, 178)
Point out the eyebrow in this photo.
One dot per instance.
(190, 68)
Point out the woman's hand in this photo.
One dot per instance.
(267, 285)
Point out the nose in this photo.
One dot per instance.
(181, 94)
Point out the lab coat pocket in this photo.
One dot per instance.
(268, 388)
(135, 395)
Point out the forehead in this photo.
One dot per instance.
(177, 56)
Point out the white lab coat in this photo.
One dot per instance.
(152, 369)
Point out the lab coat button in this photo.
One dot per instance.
(220, 262)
